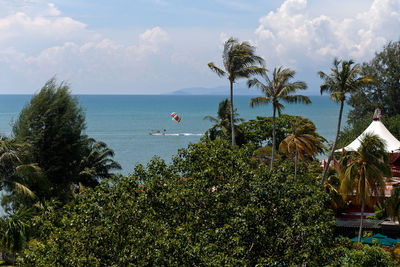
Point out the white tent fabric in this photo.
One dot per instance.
(377, 128)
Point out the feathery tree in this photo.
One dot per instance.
(277, 89)
(223, 120)
(302, 142)
(363, 171)
(53, 124)
(240, 61)
(344, 78)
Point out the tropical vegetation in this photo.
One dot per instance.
(240, 61)
(303, 142)
(278, 89)
(363, 172)
(217, 202)
(345, 78)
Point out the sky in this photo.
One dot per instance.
(159, 46)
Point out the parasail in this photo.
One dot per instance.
(175, 117)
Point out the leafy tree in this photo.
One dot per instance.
(240, 61)
(343, 253)
(196, 211)
(384, 92)
(277, 89)
(222, 125)
(343, 79)
(302, 141)
(364, 170)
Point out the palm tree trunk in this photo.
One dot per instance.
(295, 164)
(334, 143)
(232, 121)
(361, 221)
(273, 137)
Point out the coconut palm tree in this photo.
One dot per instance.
(302, 142)
(18, 176)
(96, 163)
(363, 172)
(240, 61)
(278, 89)
(223, 119)
(15, 232)
(344, 78)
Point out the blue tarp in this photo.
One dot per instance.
(384, 240)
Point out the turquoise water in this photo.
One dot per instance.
(124, 121)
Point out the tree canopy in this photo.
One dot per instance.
(384, 92)
(196, 211)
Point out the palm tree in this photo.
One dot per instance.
(302, 142)
(18, 176)
(343, 79)
(15, 232)
(363, 171)
(392, 204)
(275, 90)
(240, 61)
(96, 163)
(223, 119)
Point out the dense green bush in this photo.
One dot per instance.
(211, 206)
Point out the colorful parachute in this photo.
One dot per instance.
(175, 117)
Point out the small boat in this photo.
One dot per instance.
(158, 132)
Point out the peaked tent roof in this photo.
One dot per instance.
(376, 127)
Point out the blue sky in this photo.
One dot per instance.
(159, 46)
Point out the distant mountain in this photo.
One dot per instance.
(220, 90)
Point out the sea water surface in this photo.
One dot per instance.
(123, 122)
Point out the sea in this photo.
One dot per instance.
(124, 122)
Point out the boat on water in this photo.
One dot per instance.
(158, 132)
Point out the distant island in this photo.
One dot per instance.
(220, 90)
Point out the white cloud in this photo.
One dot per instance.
(151, 39)
(290, 35)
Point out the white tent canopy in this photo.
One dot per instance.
(377, 128)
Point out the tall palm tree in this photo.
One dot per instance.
(223, 119)
(302, 142)
(344, 78)
(96, 163)
(363, 171)
(240, 61)
(277, 89)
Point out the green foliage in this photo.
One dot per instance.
(211, 206)
(277, 90)
(384, 93)
(343, 254)
(222, 126)
(14, 231)
(240, 61)
(52, 126)
(18, 175)
(53, 123)
(259, 131)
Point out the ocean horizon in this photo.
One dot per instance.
(124, 122)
